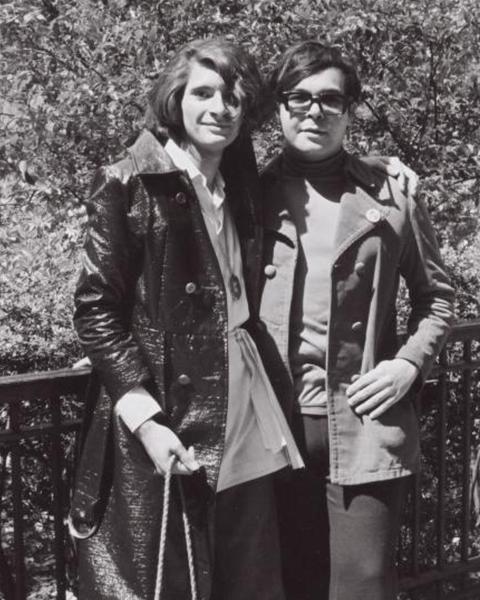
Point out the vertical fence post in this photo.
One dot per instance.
(442, 469)
(20, 587)
(58, 495)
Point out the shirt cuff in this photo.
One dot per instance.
(135, 407)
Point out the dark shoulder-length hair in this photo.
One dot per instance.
(234, 64)
(308, 58)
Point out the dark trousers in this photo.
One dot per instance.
(246, 562)
(338, 542)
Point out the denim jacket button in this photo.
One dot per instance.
(359, 268)
(270, 271)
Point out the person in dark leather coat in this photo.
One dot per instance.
(339, 235)
(169, 282)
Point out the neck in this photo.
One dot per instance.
(207, 163)
(294, 164)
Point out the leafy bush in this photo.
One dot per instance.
(74, 83)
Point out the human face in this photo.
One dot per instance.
(311, 135)
(212, 113)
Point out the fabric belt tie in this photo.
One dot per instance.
(273, 426)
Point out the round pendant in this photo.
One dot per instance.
(235, 287)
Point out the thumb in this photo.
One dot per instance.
(186, 457)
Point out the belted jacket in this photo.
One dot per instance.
(382, 235)
(150, 302)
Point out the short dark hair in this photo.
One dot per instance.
(308, 58)
(234, 64)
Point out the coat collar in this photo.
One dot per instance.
(365, 204)
(149, 156)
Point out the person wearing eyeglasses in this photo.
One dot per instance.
(338, 235)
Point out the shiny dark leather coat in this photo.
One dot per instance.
(140, 323)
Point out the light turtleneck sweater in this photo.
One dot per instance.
(312, 191)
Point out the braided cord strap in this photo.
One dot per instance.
(188, 541)
(163, 534)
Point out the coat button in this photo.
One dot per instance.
(373, 215)
(359, 268)
(191, 287)
(183, 379)
(270, 271)
(180, 198)
(357, 326)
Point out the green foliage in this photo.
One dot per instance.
(73, 87)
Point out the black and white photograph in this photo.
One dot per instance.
(239, 300)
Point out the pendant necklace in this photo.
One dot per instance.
(234, 284)
(235, 287)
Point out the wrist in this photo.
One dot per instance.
(146, 428)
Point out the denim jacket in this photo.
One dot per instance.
(382, 234)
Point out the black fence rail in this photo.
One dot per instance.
(40, 419)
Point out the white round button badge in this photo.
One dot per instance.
(373, 215)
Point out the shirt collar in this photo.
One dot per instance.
(183, 160)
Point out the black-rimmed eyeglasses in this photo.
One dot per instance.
(330, 104)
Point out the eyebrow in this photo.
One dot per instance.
(327, 91)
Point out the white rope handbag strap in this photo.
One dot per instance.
(163, 534)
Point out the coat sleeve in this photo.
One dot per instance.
(104, 293)
(431, 294)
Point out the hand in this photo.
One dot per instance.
(378, 390)
(393, 166)
(160, 443)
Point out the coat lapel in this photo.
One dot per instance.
(361, 210)
(149, 156)
(359, 214)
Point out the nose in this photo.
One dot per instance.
(217, 104)
(315, 111)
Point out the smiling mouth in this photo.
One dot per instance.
(220, 126)
(314, 131)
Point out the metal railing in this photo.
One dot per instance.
(40, 417)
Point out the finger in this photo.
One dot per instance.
(181, 469)
(375, 402)
(186, 458)
(360, 382)
(392, 166)
(178, 468)
(371, 386)
(382, 409)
